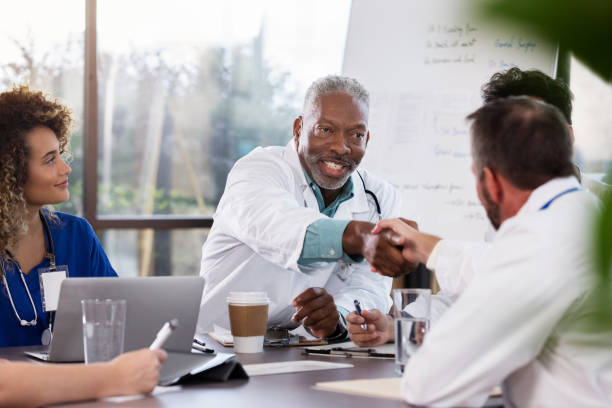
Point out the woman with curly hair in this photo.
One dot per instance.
(34, 134)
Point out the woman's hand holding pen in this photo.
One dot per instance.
(380, 328)
(135, 372)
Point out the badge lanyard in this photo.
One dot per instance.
(549, 202)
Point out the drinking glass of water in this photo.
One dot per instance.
(411, 310)
(103, 329)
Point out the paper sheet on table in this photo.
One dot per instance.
(388, 348)
(301, 331)
(388, 388)
(222, 335)
(291, 367)
(156, 391)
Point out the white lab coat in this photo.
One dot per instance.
(521, 317)
(258, 234)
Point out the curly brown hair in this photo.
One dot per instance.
(21, 110)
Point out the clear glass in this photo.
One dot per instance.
(411, 308)
(42, 45)
(103, 329)
(196, 85)
(151, 252)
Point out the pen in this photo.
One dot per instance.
(201, 343)
(203, 349)
(163, 334)
(358, 310)
(349, 353)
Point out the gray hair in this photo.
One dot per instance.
(336, 83)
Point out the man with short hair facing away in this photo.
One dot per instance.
(453, 261)
(296, 221)
(523, 319)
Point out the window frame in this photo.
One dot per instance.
(90, 151)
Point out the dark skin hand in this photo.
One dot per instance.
(316, 310)
(382, 251)
(401, 244)
(416, 246)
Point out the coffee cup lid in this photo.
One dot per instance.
(248, 298)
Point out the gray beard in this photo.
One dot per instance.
(323, 182)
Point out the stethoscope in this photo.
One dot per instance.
(52, 267)
(371, 194)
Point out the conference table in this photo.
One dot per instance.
(266, 391)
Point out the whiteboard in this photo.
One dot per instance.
(424, 63)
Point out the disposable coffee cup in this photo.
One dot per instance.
(248, 312)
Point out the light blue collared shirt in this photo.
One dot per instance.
(323, 239)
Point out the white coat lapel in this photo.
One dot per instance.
(293, 160)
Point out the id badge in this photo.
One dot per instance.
(50, 282)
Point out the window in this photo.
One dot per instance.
(149, 252)
(183, 92)
(168, 97)
(47, 54)
(592, 121)
(182, 100)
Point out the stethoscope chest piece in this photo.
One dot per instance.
(46, 337)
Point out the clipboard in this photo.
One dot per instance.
(349, 349)
(293, 341)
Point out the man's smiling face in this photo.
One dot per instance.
(331, 138)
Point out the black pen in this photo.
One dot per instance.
(364, 326)
(348, 353)
(201, 343)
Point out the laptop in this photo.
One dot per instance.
(151, 301)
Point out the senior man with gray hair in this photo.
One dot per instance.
(296, 221)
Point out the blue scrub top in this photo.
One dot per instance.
(76, 246)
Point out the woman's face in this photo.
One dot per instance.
(47, 181)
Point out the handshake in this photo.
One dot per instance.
(393, 247)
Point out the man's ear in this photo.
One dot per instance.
(297, 129)
(367, 138)
(491, 181)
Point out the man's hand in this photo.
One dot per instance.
(380, 250)
(380, 328)
(416, 246)
(316, 309)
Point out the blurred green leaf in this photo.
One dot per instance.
(603, 259)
